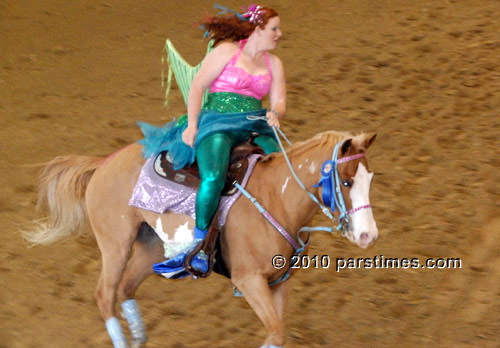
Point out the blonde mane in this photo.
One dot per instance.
(326, 139)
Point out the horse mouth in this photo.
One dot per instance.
(364, 241)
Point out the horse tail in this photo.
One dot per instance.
(61, 192)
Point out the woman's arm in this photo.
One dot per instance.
(210, 69)
(277, 94)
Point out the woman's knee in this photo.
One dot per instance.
(213, 182)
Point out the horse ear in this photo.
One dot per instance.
(345, 147)
(369, 139)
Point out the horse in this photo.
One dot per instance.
(79, 189)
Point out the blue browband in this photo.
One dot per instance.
(330, 180)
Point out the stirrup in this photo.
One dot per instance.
(176, 264)
(200, 262)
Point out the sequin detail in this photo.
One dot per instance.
(159, 195)
(228, 102)
(225, 103)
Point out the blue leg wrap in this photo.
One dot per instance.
(270, 346)
(116, 333)
(135, 323)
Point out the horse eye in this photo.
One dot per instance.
(347, 183)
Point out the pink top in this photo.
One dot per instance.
(237, 80)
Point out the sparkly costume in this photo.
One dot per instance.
(236, 80)
(222, 124)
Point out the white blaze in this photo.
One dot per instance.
(362, 221)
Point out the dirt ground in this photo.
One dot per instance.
(75, 76)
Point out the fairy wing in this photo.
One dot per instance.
(182, 71)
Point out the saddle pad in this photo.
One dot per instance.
(159, 195)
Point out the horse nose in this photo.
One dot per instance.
(365, 239)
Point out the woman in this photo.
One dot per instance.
(239, 73)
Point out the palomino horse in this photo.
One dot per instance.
(76, 187)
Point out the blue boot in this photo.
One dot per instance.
(174, 267)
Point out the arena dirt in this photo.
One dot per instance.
(76, 76)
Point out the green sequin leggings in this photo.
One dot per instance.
(212, 156)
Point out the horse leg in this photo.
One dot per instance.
(260, 297)
(148, 250)
(115, 250)
(280, 295)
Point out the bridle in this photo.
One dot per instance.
(330, 181)
(332, 194)
(331, 188)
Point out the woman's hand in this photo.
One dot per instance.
(272, 119)
(188, 136)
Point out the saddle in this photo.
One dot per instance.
(189, 176)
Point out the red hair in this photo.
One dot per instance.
(231, 27)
